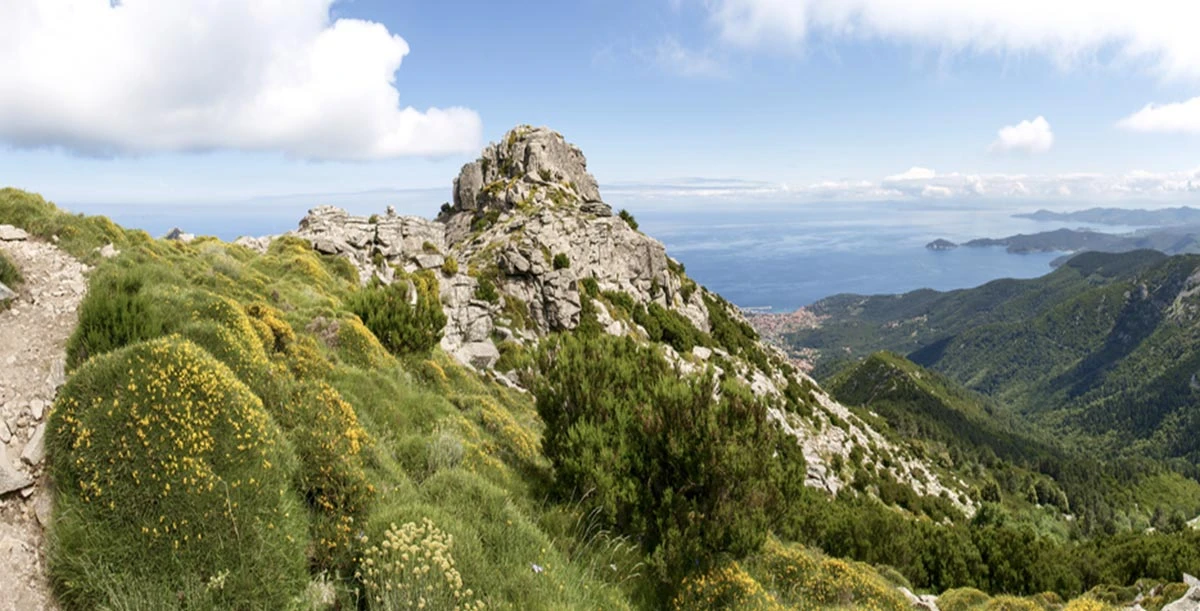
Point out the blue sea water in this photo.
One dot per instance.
(778, 256)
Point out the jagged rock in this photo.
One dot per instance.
(597, 208)
(480, 355)
(178, 235)
(35, 449)
(37, 408)
(259, 245)
(6, 293)
(399, 240)
(108, 251)
(1189, 601)
(5, 433)
(561, 298)
(8, 233)
(429, 261)
(702, 353)
(58, 374)
(11, 480)
(927, 602)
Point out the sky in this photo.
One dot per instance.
(708, 102)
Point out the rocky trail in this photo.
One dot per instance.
(33, 337)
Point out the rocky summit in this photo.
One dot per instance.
(526, 236)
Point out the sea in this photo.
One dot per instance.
(774, 256)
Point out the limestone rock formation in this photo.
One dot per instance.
(1190, 601)
(528, 246)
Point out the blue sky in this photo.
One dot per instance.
(214, 100)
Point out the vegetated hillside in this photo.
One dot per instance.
(1009, 463)
(316, 421)
(1102, 350)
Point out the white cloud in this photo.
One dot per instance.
(1160, 33)
(260, 75)
(913, 173)
(924, 183)
(1027, 137)
(677, 59)
(1179, 117)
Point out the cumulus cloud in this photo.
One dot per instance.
(913, 173)
(1159, 33)
(144, 76)
(678, 59)
(1026, 137)
(1179, 117)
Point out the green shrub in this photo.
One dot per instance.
(413, 568)
(803, 579)
(450, 266)
(561, 261)
(487, 219)
(77, 234)
(690, 476)
(118, 310)
(665, 325)
(10, 276)
(485, 290)
(628, 218)
(429, 247)
(962, 599)
(330, 444)
(401, 327)
(171, 474)
(590, 287)
(723, 587)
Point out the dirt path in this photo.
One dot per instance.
(33, 335)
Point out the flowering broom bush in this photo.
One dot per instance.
(166, 457)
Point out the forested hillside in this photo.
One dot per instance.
(1102, 351)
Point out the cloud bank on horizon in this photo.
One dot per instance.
(148, 76)
(924, 183)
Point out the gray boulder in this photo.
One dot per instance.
(6, 293)
(480, 355)
(35, 449)
(11, 480)
(8, 233)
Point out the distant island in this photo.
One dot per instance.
(941, 244)
(1171, 241)
(1120, 216)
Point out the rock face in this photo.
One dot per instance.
(372, 243)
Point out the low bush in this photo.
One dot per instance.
(413, 568)
(402, 326)
(690, 476)
(561, 261)
(118, 310)
(628, 218)
(10, 276)
(164, 459)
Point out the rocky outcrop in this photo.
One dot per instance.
(1190, 601)
(373, 243)
(528, 245)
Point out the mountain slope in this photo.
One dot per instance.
(1103, 349)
